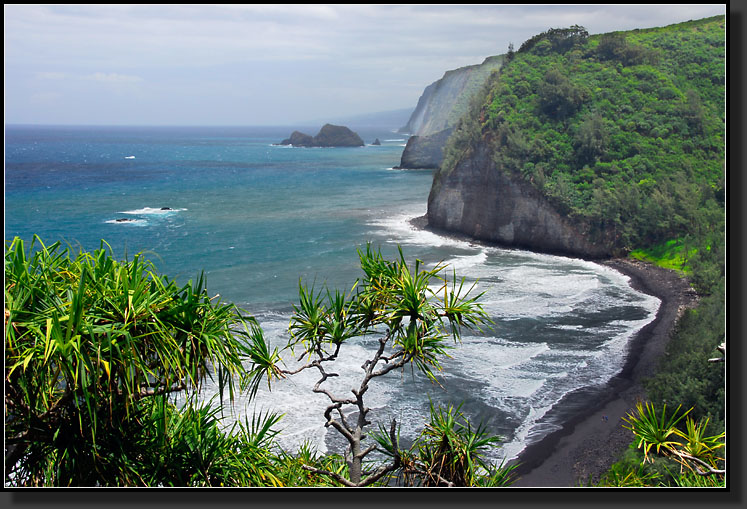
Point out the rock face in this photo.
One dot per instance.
(424, 151)
(298, 139)
(376, 142)
(329, 136)
(439, 108)
(476, 199)
(444, 101)
(337, 136)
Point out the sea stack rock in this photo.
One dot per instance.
(376, 142)
(298, 139)
(337, 136)
(328, 136)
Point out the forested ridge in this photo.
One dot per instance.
(624, 133)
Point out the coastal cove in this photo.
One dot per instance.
(591, 436)
(255, 217)
(520, 283)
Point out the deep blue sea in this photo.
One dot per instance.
(256, 217)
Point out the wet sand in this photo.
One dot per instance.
(594, 438)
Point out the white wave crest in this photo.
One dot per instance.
(399, 230)
(151, 211)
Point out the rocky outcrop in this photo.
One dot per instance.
(478, 200)
(424, 151)
(328, 136)
(298, 139)
(376, 142)
(337, 136)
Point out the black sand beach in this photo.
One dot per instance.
(592, 437)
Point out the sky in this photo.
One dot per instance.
(272, 64)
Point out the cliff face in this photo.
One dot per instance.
(439, 108)
(446, 100)
(477, 200)
(593, 146)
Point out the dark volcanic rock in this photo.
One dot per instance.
(425, 151)
(329, 136)
(337, 136)
(376, 142)
(477, 199)
(298, 139)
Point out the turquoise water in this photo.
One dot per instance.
(256, 217)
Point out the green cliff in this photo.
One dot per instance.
(594, 145)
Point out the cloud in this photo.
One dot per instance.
(113, 77)
(261, 57)
(45, 98)
(51, 75)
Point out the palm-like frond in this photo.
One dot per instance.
(652, 430)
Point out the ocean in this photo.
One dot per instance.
(256, 217)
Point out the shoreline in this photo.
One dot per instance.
(592, 438)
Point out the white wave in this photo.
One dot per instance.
(568, 327)
(399, 231)
(129, 157)
(399, 139)
(523, 378)
(529, 431)
(460, 263)
(151, 211)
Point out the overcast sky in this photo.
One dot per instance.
(265, 64)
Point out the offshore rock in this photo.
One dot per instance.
(479, 200)
(424, 151)
(376, 142)
(328, 136)
(298, 139)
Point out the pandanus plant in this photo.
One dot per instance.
(413, 312)
(90, 343)
(692, 448)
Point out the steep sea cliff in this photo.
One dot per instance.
(476, 200)
(439, 108)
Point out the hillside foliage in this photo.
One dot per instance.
(622, 132)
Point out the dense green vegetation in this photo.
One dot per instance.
(624, 133)
(670, 255)
(98, 352)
